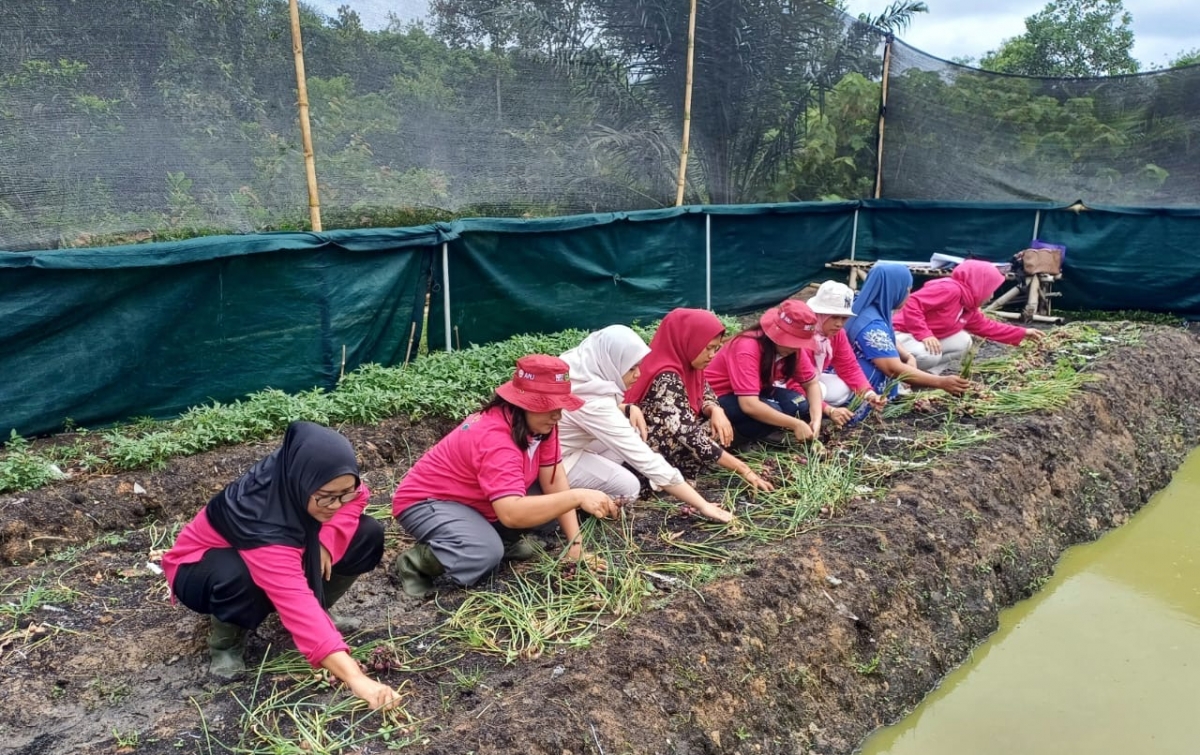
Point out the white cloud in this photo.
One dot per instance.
(970, 28)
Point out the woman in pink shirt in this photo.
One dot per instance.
(468, 501)
(756, 374)
(936, 323)
(289, 536)
(833, 358)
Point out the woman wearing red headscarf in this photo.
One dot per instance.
(936, 323)
(684, 421)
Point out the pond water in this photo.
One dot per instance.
(1104, 660)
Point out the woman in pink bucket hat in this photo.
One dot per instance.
(756, 374)
(468, 501)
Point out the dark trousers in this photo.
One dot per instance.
(220, 583)
(783, 400)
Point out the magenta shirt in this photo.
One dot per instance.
(475, 464)
(840, 357)
(735, 369)
(279, 571)
(936, 309)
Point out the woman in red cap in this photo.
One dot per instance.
(684, 421)
(468, 501)
(756, 375)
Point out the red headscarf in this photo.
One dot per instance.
(680, 338)
(978, 281)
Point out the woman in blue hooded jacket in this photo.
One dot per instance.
(874, 338)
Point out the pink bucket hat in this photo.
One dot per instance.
(541, 383)
(792, 324)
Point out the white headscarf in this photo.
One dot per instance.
(598, 364)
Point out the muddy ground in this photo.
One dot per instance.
(776, 657)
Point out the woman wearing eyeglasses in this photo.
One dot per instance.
(290, 536)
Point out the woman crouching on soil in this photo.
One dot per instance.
(833, 358)
(289, 536)
(883, 361)
(936, 323)
(603, 434)
(684, 421)
(469, 500)
(754, 374)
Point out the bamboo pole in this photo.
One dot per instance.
(310, 166)
(883, 92)
(687, 105)
(412, 334)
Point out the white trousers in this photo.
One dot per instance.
(954, 348)
(597, 472)
(837, 393)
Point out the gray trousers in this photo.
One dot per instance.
(466, 544)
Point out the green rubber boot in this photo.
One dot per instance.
(519, 550)
(416, 568)
(226, 647)
(335, 588)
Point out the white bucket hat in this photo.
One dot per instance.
(833, 298)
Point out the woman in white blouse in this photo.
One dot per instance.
(604, 433)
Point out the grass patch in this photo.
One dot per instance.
(19, 607)
(447, 385)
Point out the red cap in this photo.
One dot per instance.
(792, 324)
(541, 383)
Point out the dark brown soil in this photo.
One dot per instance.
(772, 659)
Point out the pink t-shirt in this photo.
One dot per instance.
(475, 464)
(279, 571)
(837, 354)
(735, 369)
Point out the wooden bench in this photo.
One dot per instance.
(1038, 293)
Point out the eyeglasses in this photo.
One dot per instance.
(339, 499)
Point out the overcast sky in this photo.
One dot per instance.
(952, 28)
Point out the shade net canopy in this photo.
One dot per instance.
(958, 133)
(164, 119)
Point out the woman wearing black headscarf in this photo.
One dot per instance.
(287, 536)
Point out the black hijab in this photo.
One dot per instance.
(269, 504)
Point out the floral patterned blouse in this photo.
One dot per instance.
(675, 430)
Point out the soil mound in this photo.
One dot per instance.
(813, 644)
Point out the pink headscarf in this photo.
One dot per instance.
(978, 281)
(823, 353)
(680, 338)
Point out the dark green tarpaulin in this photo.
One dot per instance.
(1129, 258)
(912, 231)
(763, 254)
(587, 271)
(102, 335)
(514, 276)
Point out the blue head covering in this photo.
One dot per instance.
(885, 288)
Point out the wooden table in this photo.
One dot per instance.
(1039, 289)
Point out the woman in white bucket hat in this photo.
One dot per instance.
(840, 374)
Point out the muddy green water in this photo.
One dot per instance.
(1104, 660)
